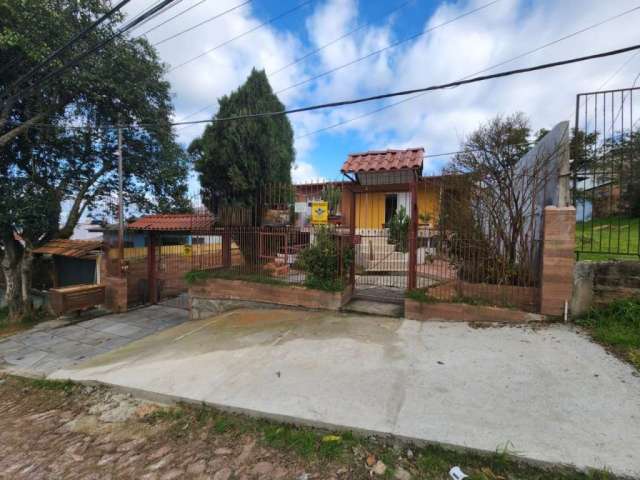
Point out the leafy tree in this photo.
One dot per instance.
(489, 203)
(57, 174)
(332, 195)
(236, 158)
(399, 230)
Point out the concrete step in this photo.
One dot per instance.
(369, 307)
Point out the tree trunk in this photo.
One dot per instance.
(13, 279)
(26, 266)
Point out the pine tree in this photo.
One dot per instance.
(235, 158)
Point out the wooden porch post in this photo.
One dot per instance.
(152, 268)
(352, 235)
(413, 237)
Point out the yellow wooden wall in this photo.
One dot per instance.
(370, 206)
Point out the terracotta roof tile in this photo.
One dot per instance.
(69, 248)
(174, 222)
(380, 161)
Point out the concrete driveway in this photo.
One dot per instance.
(548, 393)
(51, 346)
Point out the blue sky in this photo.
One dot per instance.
(436, 121)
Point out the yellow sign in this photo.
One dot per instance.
(187, 250)
(319, 213)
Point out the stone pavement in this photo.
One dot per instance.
(45, 349)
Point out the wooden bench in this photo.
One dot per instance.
(75, 298)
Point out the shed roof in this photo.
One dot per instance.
(184, 222)
(384, 161)
(70, 248)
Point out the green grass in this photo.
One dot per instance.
(231, 274)
(346, 448)
(617, 326)
(420, 296)
(196, 276)
(611, 234)
(66, 386)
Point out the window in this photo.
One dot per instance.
(390, 207)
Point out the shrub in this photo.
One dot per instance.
(321, 262)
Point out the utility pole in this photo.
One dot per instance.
(120, 203)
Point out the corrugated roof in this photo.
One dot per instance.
(384, 161)
(174, 222)
(70, 248)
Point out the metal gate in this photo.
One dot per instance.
(606, 174)
(382, 249)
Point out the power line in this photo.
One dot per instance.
(341, 103)
(171, 18)
(393, 45)
(332, 42)
(263, 24)
(210, 19)
(136, 21)
(73, 40)
(357, 60)
(513, 59)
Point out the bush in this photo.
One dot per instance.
(321, 262)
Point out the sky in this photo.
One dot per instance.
(439, 48)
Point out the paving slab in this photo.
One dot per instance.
(56, 345)
(548, 393)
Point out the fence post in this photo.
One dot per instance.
(226, 247)
(352, 234)
(558, 259)
(151, 268)
(413, 237)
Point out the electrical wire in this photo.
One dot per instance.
(430, 88)
(210, 19)
(393, 45)
(68, 44)
(140, 19)
(510, 60)
(170, 19)
(263, 24)
(332, 42)
(357, 60)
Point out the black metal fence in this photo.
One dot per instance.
(605, 154)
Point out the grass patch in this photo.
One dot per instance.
(420, 296)
(66, 386)
(611, 234)
(616, 326)
(345, 448)
(194, 276)
(232, 274)
(9, 328)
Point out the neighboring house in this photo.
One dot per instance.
(73, 262)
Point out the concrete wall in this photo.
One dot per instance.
(599, 283)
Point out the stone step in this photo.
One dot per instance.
(369, 307)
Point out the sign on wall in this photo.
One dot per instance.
(319, 213)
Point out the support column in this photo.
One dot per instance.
(558, 259)
(152, 270)
(352, 234)
(413, 238)
(226, 247)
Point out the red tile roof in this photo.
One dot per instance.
(174, 222)
(70, 248)
(382, 161)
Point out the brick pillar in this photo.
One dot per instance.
(558, 259)
(115, 295)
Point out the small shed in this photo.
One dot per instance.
(74, 262)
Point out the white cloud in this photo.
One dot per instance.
(437, 120)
